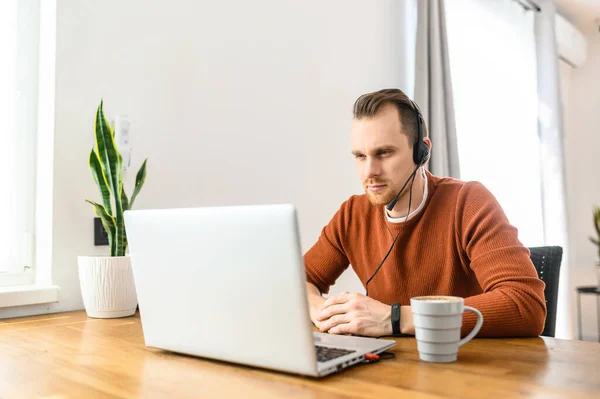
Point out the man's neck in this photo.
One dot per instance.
(401, 207)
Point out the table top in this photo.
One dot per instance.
(71, 355)
(592, 289)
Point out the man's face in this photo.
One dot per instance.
(383, 154)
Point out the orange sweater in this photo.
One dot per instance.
(460, 243)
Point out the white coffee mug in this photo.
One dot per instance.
(438, 322)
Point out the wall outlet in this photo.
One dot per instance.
(100, 235)
(122, 139)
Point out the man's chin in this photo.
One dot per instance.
(377, 199)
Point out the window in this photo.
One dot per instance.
(493, 68)
(19, 38)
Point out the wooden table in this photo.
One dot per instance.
(68, 355)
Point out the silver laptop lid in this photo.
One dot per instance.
(223, 282)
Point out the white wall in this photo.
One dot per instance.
(581, 88)
(233, 102)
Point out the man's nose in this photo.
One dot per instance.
(373, 168)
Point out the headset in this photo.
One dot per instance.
(420, 157)
(421, 149)
(420, 154)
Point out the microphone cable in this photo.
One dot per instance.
(413, 175)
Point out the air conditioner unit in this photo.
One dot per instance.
(571, 43)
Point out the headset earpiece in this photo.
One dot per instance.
(425, 156)
(420, 149)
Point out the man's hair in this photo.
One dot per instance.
(368, 105)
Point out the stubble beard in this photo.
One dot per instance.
(383, 197)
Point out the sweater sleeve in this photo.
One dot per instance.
(512, 302)
(326, 260)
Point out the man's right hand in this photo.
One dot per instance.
(315, 300)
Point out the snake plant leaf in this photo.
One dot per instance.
(120, 230)
(597, 220)
(100, 180)
(112, 163)
(125, 205)
(124, 200)
(106, 164)
(120, 234)
(109, 224)
(108, 154)
(140, 178)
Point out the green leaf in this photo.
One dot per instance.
(106, 148)
(108, 222)
(597, 220)
(125, 205)
(124, 200)
(120, 223)
(140, 178)
(125, 243)
(100, 180)
(112, 163)
(121, 238)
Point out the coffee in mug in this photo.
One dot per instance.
(438, 321)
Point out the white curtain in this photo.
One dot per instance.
(493, 66)
(433, 87)
(504, 66)
(8, 148)
(18, 112)
(552, 154)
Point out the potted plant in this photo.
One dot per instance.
(596, 240)
(107, 285)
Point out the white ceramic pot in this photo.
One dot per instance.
(107, 286)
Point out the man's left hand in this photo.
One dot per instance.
(356, 314)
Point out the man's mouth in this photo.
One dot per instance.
(375, 187)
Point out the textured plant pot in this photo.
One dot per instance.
(107, 286)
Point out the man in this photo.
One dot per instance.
(442, 237)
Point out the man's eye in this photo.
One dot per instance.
(384, 153)
(359, 156)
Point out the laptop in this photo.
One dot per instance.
(228, 283)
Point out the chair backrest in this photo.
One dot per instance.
(547, 262)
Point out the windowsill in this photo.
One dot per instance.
(28, 295)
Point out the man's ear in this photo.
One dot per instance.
(428, 142)
(428, 153)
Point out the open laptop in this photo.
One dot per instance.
(228, 283)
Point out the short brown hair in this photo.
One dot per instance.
(368, 105)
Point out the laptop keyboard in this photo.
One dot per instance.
(325, 353)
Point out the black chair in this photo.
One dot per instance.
(547, 262)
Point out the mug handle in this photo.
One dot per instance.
(475, 330)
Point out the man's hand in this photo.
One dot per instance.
(315, 300)
(356, 314)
